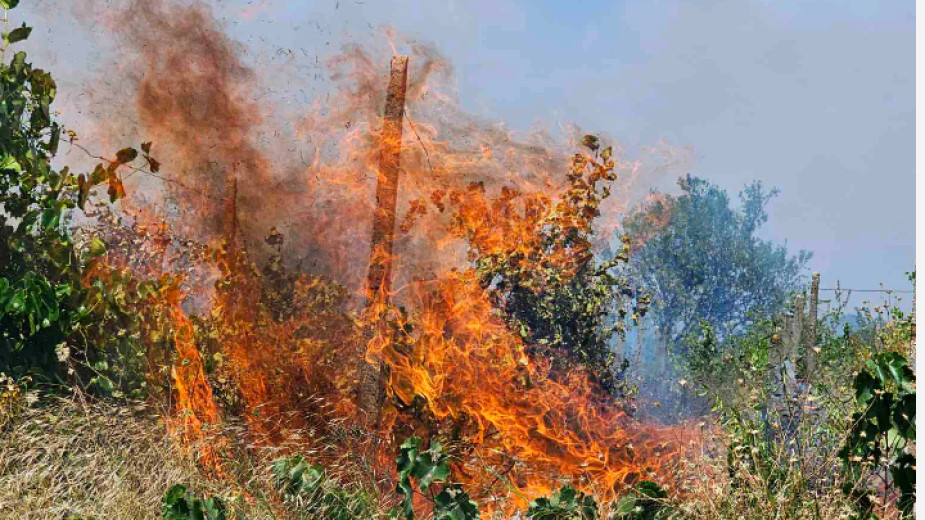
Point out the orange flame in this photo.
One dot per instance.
(467, 365)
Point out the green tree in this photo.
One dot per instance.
(701, 259)
(45, 297)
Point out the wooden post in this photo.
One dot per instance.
(809, 355)
(231, 217)
(380, 267)
(795, 337)
(379, 281)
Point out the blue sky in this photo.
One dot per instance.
(816, 98)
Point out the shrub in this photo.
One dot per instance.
(314, 494)
(48, 306)
(418, 471)
(565, 504)
(540, 269)
(179, 504)
(879, 444)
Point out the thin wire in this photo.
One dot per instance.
(867, 290)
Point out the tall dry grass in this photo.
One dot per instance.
(68, 458)
(63, 459)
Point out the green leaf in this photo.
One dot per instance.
(565, 504)
(97, 247)
(651, 489)
(173, 504)
(8, 162)
(864, 386)
(904, 416)
(214, 509)
(9, 4)
(295, 476)
(453, 503)
(99, 175)
(18, 34)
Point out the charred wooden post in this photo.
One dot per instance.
(379, 279)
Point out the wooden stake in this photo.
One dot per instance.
(795, 337)
(231, 217)
(380, 261)
(379, 281)
(809, 355)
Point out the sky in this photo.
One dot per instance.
(816, 98)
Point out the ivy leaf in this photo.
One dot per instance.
(651, 489)
(453, 503)
(431, 467)
(566, 504)
(116, 189)
(903, 473)
(904, 416)
(99, 175)
(173, 504)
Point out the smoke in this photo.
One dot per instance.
(240, 157)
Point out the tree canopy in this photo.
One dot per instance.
(701, 259)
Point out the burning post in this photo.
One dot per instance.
(380, 255)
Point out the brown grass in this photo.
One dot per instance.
(69, 459)
(62, 459)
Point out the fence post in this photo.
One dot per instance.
(379, 281)
(795, 337)
(809, 354)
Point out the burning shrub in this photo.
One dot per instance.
(538, 266)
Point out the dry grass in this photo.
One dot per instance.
(64, 459)
(720, 487)
(61, 459)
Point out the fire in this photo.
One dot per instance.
(468, 366)
(468, 189)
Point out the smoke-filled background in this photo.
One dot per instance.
(788, 93)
